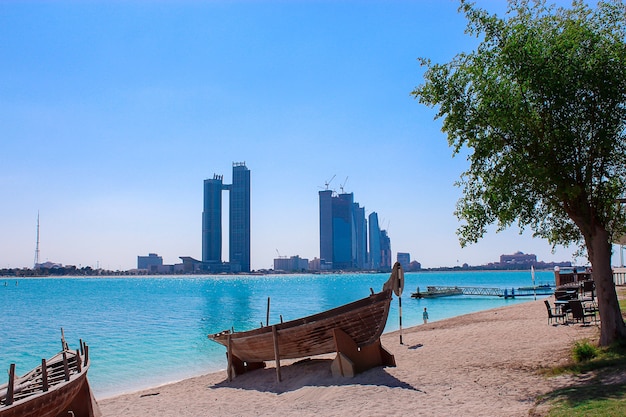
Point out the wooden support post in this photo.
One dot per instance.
(66, 368)
(229, 356)
(78, 364)
(267, 317)
(63, 342)
(80, 341)
(11, 385)
(44, 375)
(276, 352)
(86, 354)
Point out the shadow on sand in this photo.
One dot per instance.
(308, 372)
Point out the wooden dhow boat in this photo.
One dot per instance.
(352, 331)
(58, 387)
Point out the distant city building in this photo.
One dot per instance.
(385, 250)
(343, 231)
(292, 264)
(344, 238)
(337, 229)
(48, 265)
(326, 225)
(239, 222)
(415, 266)
(318, 264)
(360, 229)
(404, 259)
(518, 258)
(212, 220)
(152, 262)
(374, 237)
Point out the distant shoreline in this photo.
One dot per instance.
(111, 274)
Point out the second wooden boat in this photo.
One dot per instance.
(58, 387)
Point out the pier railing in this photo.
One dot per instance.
(492, 292)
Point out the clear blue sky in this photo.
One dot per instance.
(113, 113)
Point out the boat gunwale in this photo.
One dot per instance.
(372, 299)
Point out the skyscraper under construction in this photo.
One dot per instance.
(343, 231)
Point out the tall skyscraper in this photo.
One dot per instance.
(340, 231)
(326, 225)
(239, 219)
(344, 239)
(239, 237)
(360, 227)
(385, 249)
(374, 232)
(212, 220)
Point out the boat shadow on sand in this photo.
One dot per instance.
(309, 372)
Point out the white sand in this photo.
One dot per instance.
(481, 364)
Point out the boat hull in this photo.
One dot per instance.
(363, 321)
(48, 404)
(66, 389)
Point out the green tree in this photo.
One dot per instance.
(540, 109)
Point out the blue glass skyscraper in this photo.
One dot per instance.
(375, 250)
(239, 220)
(326, 225)
(360, 228)
(343, 231)
(344, 239)
(239, 237)
(212, 220)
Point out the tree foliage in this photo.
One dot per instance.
(541, 103)
(541, 107)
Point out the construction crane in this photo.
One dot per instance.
(327, 183)
(342, 185)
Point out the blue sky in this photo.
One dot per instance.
(113, 113)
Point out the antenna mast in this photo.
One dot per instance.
(37, 246)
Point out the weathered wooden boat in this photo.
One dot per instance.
(352, 331)
(58, 387)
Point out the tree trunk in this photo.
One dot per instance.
(612, 327)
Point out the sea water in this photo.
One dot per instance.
(147, 331)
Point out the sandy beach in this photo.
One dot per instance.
(481, 364)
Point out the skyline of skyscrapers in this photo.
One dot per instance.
(239, 221)
(344, 231)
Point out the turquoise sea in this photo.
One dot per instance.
(147, 331)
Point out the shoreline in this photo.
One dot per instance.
(484, 363)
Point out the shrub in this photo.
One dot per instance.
(584, 351)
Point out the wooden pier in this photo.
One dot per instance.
(440, 291)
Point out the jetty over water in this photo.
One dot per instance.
(443, 291)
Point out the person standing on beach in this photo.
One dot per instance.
(425, 315)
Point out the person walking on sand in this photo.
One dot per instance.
(425, 315)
